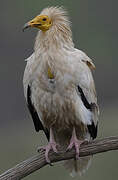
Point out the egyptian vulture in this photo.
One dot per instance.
(59, 87)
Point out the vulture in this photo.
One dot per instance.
(59, 88)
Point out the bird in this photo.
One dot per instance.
(59, 88)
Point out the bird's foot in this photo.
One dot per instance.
(48, 148)
(74, 142)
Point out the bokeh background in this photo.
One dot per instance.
(95, 31)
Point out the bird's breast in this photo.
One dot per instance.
(54, 95)
(56, 109)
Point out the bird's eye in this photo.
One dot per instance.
(44, 19)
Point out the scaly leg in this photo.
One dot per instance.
(51, 145)
(75, 142)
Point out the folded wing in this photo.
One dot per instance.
(87, 92)
(28, 94)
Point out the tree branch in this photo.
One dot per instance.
(38, 161)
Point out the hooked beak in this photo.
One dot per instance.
(26, 26)
(30, 24)
(33, 23)
(38, 22)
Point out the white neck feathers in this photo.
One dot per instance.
(59, 35)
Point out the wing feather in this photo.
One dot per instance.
(84, 58)
(37, 122)
(92, 128)
(87, 92)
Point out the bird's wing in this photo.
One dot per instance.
(91, 106)
(36, 119)
(28, 94)
(85, 59)
(87, 92)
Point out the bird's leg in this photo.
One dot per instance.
(75, 142)
(51, 145)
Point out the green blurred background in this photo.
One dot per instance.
(95, 31)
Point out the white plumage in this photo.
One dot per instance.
(59, 87)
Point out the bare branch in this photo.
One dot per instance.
(38, 161)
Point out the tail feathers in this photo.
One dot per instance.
(76, 167)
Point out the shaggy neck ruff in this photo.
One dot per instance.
(59, 35)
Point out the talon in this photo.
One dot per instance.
(74, 142)
(40, 149)
(50, 164)
(51, 146)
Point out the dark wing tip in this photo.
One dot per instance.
(35, 117)
(91, 106)
(93, 130)
(83, 98)
(37, 123)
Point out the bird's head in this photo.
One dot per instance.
(50, 17)
(54, 26)
(42, 22)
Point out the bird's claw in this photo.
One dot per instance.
(50, 146)
(75, 143)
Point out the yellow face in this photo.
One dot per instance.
(41, 22)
